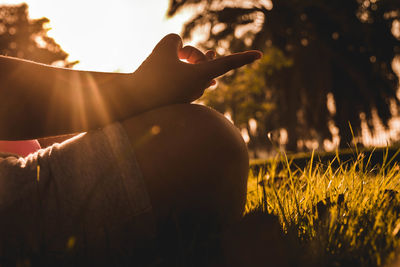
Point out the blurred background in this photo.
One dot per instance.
(329, 77)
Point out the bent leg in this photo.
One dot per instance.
(192, 159)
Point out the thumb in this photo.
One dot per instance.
(169, 46)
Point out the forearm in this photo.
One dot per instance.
(38, 100)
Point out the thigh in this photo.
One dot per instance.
(192, 159)
(88, 190)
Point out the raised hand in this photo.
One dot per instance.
(168, 80)
(83, 100)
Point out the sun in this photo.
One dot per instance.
(106, 35)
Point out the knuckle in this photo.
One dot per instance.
(173, 37)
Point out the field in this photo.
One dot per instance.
(334, 209)
(337, 209)
(324, 211)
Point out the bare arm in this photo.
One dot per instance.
(38, 100)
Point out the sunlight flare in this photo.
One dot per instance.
(97, 98)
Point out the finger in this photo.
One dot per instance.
(210, 54)
(169, 46)
(217, 67)
(191, 54)
(210, 83)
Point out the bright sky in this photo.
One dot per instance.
(113, 35)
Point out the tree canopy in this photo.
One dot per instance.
(27, 38)
(342, 48)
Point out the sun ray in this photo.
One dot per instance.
(94, 92)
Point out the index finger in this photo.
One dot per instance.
(191, 54)
(217, 67)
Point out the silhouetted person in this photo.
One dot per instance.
(148, 153)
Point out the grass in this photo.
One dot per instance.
(340, 209)
(331, 213)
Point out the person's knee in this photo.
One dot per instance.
(192, 158)
(224, 157)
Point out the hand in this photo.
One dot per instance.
(166, 79)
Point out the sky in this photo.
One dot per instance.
(106, 35)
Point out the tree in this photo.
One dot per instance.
(27, 38)
(246, 98)
(342, 47)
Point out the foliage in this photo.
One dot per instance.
(343, 47)
(27, 38)
(245, 96)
